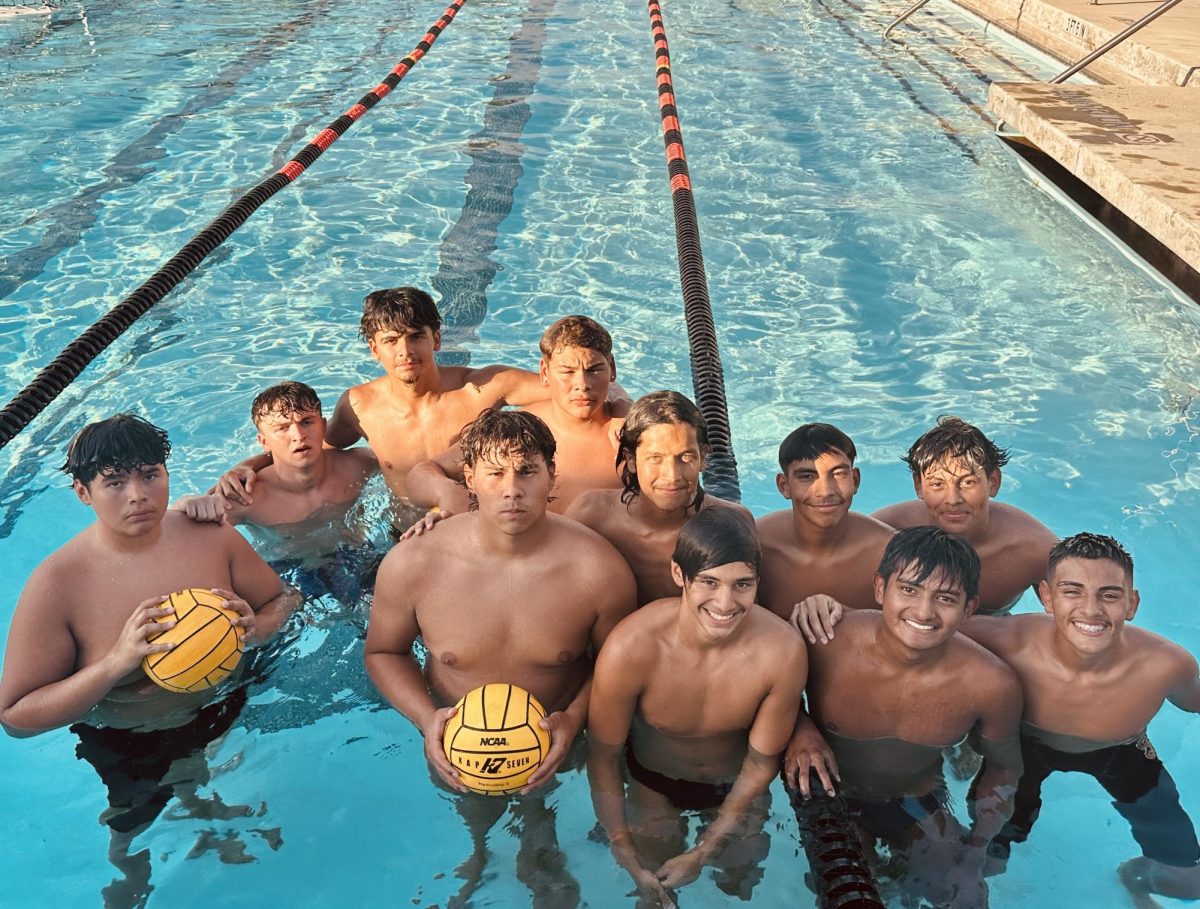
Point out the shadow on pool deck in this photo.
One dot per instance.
(1135, 138)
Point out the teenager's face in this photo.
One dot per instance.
(957, 495)
(512, 490)
(128, 502)
(294, 439)
(1091, 600)
(923, 615)
(719, 598)
(405, 353)
(820, 491)
(578, 379)
(668, 463)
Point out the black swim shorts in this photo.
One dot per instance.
(686, 795)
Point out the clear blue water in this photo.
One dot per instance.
(875, 259)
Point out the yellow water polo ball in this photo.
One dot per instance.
(207, 645)
(494, 741)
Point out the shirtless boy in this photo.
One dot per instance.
(892, 690)
(416, 409)
(818, 547)
(660, 456)
(86, 617)
(1092, 684)
(956, 474)
(303, 495)
(577, 368)
(506, 592)
(705, 688)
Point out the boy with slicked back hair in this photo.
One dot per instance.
(416, 409)
(1092, 685)
(660, 456)
(578, 370)
(818, 549)
(889, 693)
(956, 473)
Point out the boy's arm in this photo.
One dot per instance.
(769, 735)
(615, 600)
(997, 739)
(343, 428)
(437, 483)
(41, 689)
(392, 665)
(617, 685)
(267, 599)
(1186, 695)
(808, 752)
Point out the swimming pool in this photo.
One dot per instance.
(874, 257)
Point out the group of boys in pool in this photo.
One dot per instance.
(570, 549)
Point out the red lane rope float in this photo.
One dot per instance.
(66, 367)
(708, 379)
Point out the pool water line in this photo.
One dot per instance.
(66, 367)
(708, 379)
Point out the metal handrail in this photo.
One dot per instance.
(1114, 41)
(908, 12)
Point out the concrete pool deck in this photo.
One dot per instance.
(1135, 140)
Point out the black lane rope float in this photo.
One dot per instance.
(708, 379)
(840, 876)
(53, 379)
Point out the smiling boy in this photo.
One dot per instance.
(1092, 684)
(705, 687)
(889, 693)
(660, 457)
(956, 475)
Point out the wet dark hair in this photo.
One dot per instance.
(715, 537)
(504, 433)
(396, 309)
(930, 550)
(286, 398)
(1090, 546)
(576, 331)
(810, 441)
(121, 443)
(956, 439)
(655, 409)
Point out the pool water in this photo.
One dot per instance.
(875, 259)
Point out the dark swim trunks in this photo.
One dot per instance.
(892, 818)
(132, 764)
(1142, 791)
(686, 795)
(347, 575)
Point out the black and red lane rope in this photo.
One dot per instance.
(708, 379)
(75, 357)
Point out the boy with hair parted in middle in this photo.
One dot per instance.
(818, 549)
(660, 456)
(577, 368)
(889, 693)
(699, 692)
(1092, 685)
